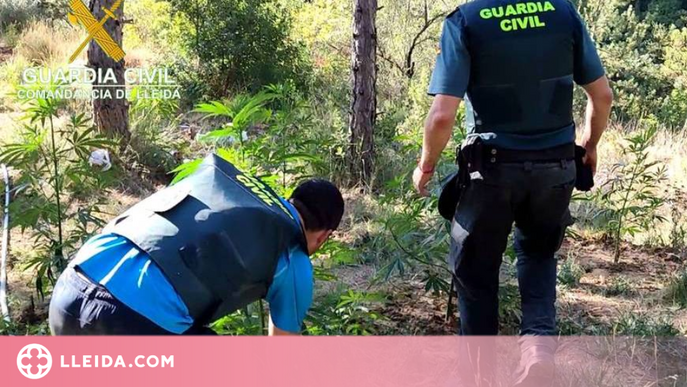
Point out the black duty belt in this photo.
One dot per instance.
(494, 154)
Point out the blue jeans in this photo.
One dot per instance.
(533, 196)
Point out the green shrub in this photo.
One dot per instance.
(152, 27)
(11, 36)
(18, 329)
(337, 313)
(238, 45)
(676, 291)
(618, 286)
(157, 143)
(10, 78)
(675, 67)
(570, 273)
(265, 134)
(17, 12)
(678, 222)
(249, 321)
(581, 325)
(641, 44)
(346, 313)
(636, 323)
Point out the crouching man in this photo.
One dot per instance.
(195, 252)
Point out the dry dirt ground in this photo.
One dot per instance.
(611, 361)
(646, 272)
(410, 310)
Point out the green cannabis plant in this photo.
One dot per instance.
(348, 313)
(632, 196)
(263, 134)
(59, 194)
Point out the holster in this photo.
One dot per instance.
(472, 156)
(469, 158)
(585, 176)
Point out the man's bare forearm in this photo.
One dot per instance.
(436, 138)
(596, 123)
(598, 111)
(438, 129)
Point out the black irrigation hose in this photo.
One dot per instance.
(5, 246)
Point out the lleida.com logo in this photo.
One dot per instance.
(34, 361)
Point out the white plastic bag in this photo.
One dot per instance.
(100, 158)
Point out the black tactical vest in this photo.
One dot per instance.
(521, 74)
(217, 236)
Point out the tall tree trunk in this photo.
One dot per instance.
(364, 92)
(111, 115)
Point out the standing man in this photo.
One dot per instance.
(195, 252)
(515, 64)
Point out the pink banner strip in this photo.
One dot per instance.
(332, 361)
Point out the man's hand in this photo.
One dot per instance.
(590, 158)
(420, 180)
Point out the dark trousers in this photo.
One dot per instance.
(534, 196)
(81, 307)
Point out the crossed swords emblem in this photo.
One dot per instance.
(81, 15)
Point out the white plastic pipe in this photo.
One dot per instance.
(5, 242)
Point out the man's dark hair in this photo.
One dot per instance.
(319, 203)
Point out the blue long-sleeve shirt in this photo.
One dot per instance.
(134, 279)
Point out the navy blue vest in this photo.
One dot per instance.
(217, 236)
(522, 59)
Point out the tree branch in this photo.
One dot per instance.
(380, 52)
(408, 67)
